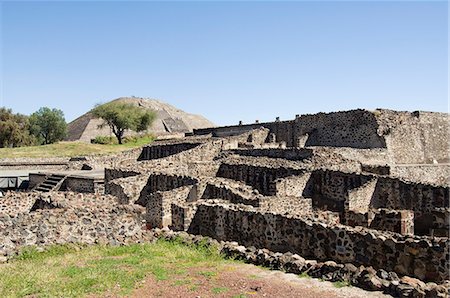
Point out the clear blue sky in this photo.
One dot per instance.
(228, 61)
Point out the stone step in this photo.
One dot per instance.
(42, 189)
(52, 179)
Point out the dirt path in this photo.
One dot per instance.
(243, 280)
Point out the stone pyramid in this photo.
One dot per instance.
(169, 120)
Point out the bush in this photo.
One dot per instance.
(104, 140)
(131, 139)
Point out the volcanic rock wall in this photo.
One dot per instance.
(410, 138)
(59, 218)
(427, 259)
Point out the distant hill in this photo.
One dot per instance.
(169, 120)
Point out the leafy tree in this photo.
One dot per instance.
(124, 116)
(14, 129)
(48, 125)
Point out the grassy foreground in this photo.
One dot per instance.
(69, 149)
(68, 271)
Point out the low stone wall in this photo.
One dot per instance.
(427, 259)
(28, 163)
(391, 193)
(353, 218)
(294, 186)
(397, 221)
(288, 153)
(79, 184)
(104, 161)
(182, 215)
(286, 205)
(163, 182)
(158, 205)
(359, 198)
(220, 189)
(159, 151)
(35, 179)
(73, 218)
(331, 189)
(127, 190)
(112, 174)
(433, 223)
(425, 173)
(258, 177)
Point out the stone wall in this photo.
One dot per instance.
(370, 156)
(79, 184)
(163, 182)
(159, 151)
(219, 189)
(331, 189)
(356, 129)
(393, 193)
(398, 221)
(105, 161)
(417, 137)
(35, 179)
(294, 186)
(116, 173)
(438, 174)
(288, 153)
(69, 218)
(297, 206)
(433, 223)
(259, 177)
(424, 258)
(159, 206)
(359, 198)
(28, 163)
(182, 215)
(128, 189)
(410, 138)
(283, 130)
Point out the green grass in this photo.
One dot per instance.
(69, 149)
(341, 284)
(254, 276)
(219, 290)
(208, 274)
(304, 275)
(68, 271)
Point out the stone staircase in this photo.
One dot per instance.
(52, 182)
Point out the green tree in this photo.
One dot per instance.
(48, 125)
(14, 129)
(123, 116)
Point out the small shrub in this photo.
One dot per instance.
(341, 284)
(304, 275)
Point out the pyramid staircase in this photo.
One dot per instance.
(51, 183)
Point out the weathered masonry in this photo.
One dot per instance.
(369, 188)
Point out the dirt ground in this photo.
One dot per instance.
(243, 280)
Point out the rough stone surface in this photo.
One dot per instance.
(334, 196)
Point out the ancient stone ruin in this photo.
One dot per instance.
(357, 195)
